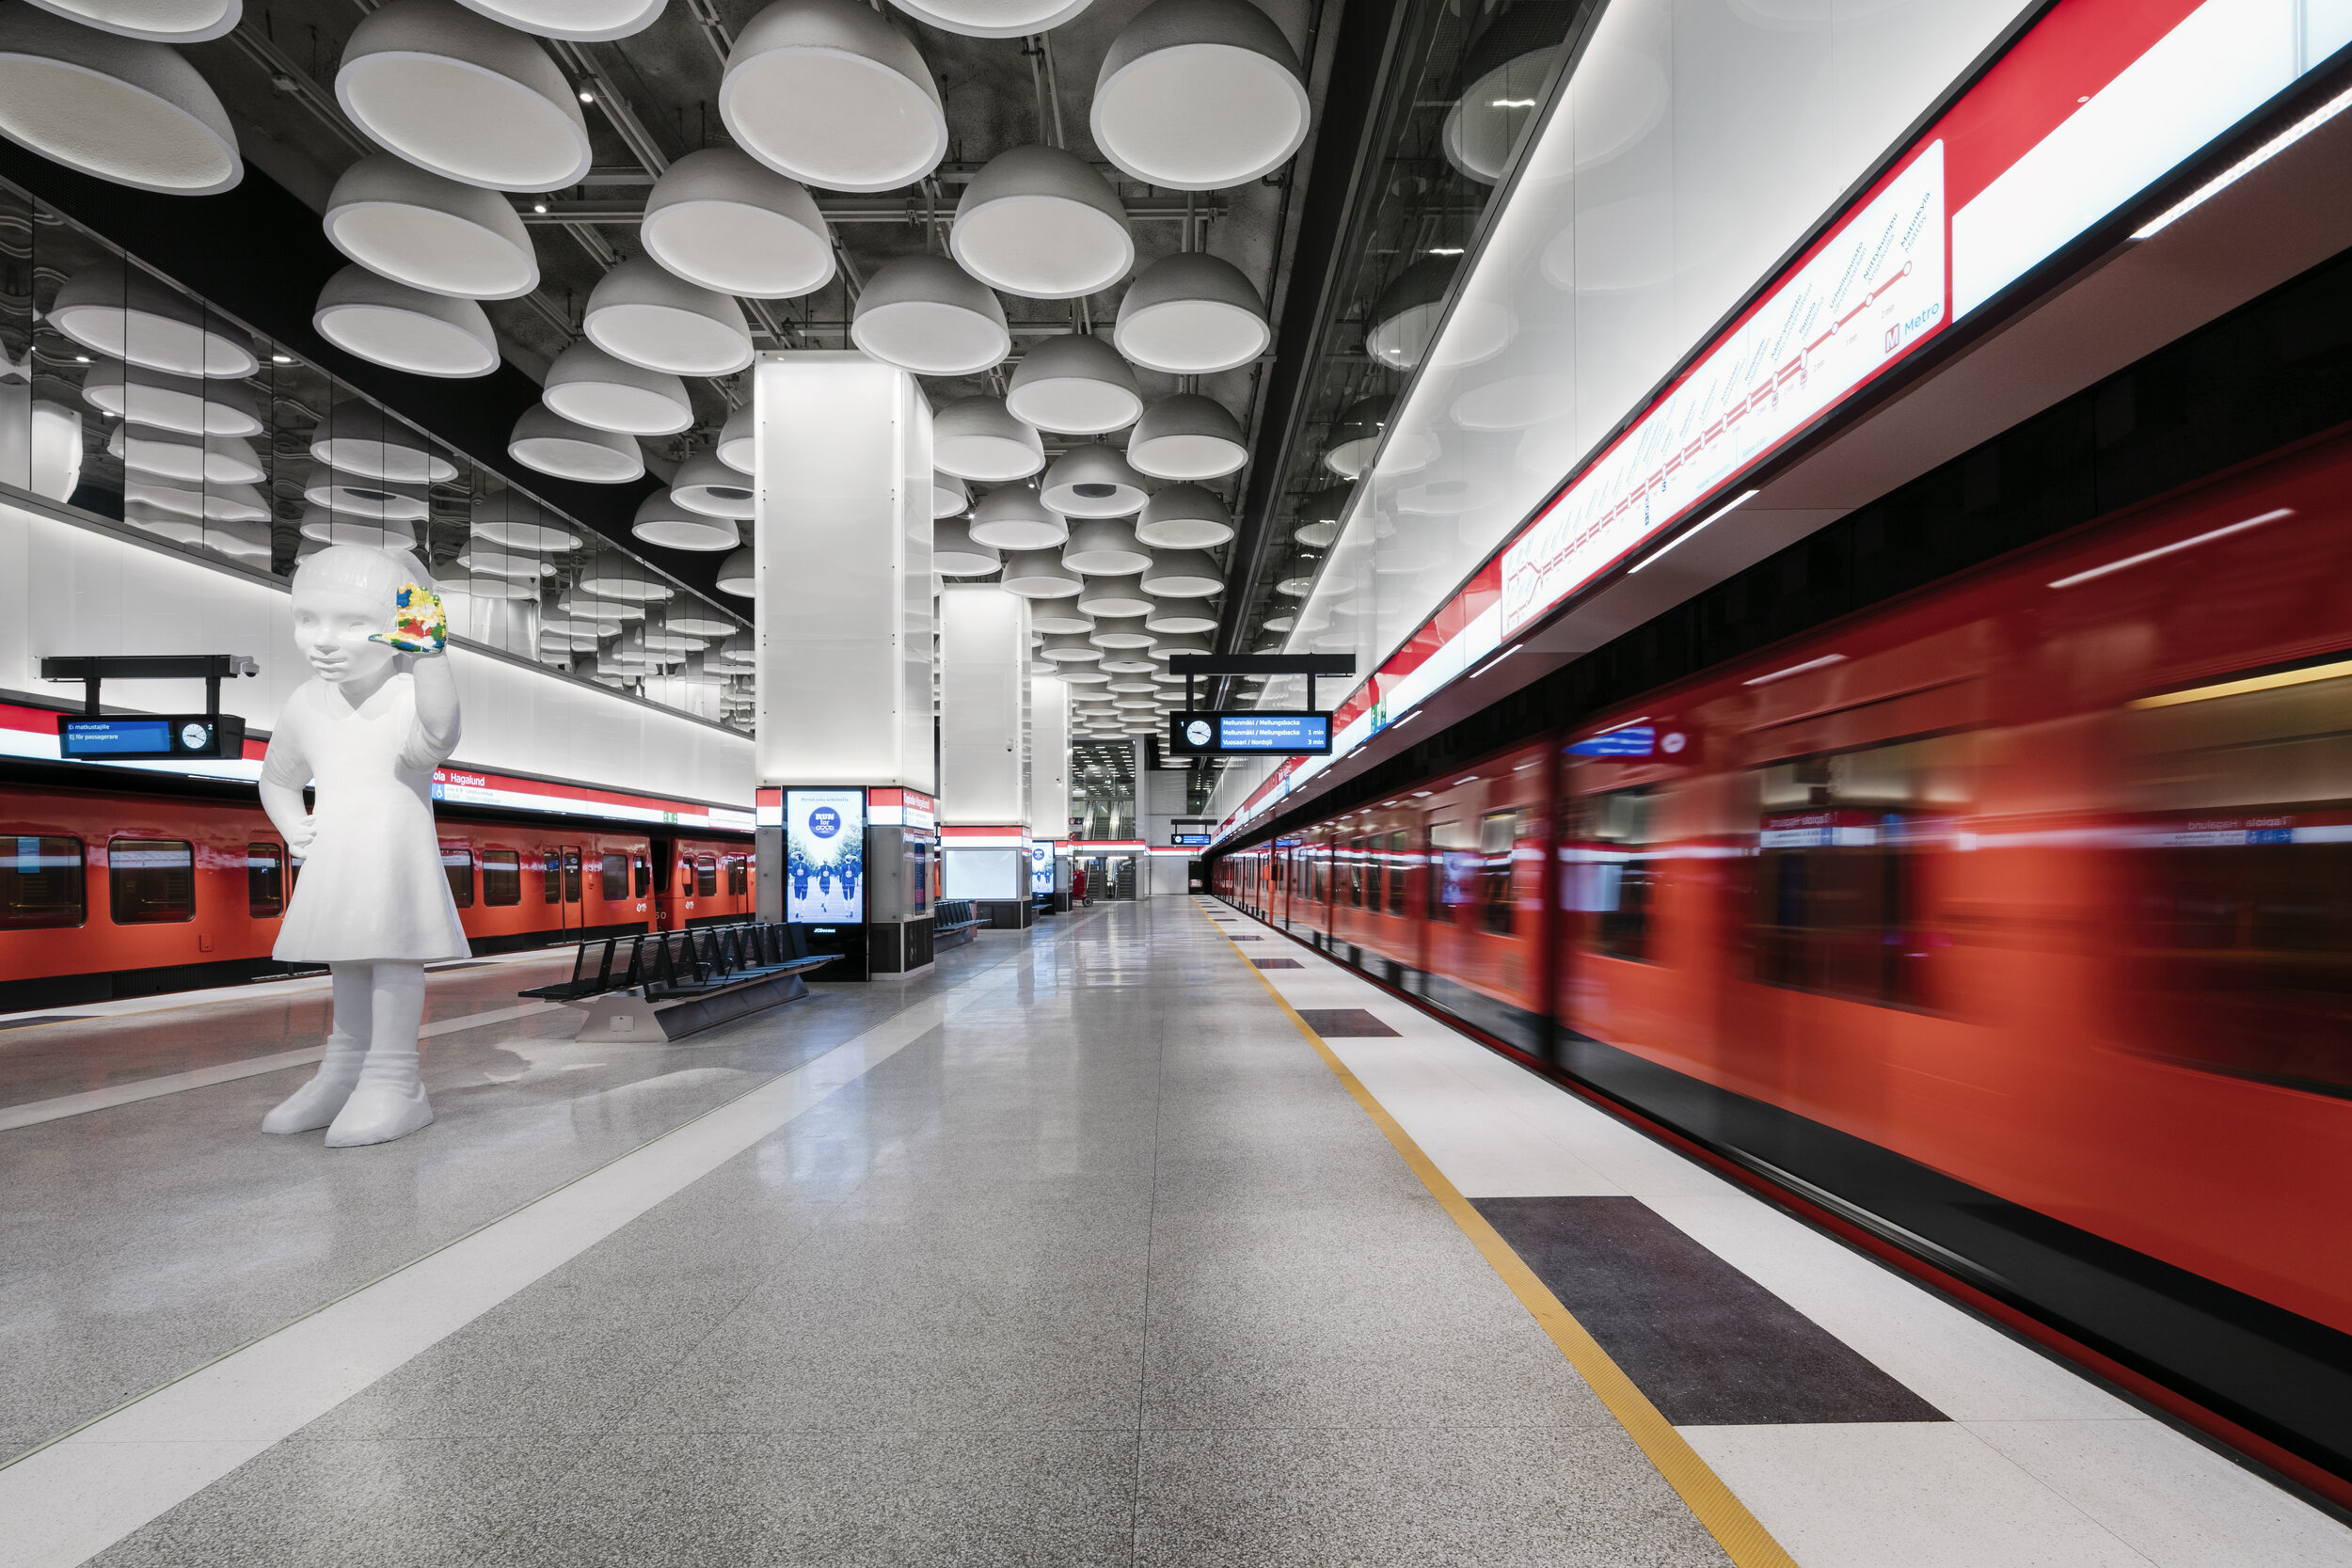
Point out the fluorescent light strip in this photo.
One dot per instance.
(1497, 659)
(1822, 663)
(2160, 551)
(2248, 163)
(2253, 683)
(1401, 723)
(1737, 501)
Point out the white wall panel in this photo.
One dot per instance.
(1049, 757)
(983, 701)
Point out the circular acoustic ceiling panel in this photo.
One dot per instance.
(174, 454)
(925, 314)
(580, 20)
(383, 534)
(587, 385)
(167, 401)
(1184, 574)
(739, 575)
(514, 521)
(1191, 314)
(1187, 436)
(1039, 574)
(950, 496)
(1041, 223)
(402, 329)
(1014, 518)
(1356, 435)
(358, 437)
(1093, 481)
(1199, 95)
(956, 554)
(736, 445)
(1054, 618)
(1103, 546)
(359, 496)
(1076, 384)
(548, 442)
(993, 19)
(651, 317)
(696, 621)
(452, 92)
(118, 310)
(663, 519)
(157, 20)
(833, 95)
(429, 231)
(614, 578)
(1405, 318)
(1183, 516)
(722, 219)
(978, 438)
(705, 485)
(127, 110)
(1179, 617)
(1102, 596)
(219, 503)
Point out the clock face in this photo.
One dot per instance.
(1198, 733)
(194, 737)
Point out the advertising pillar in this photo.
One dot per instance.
(984, 758)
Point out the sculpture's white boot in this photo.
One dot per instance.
(316, 1103)
(387, 1103)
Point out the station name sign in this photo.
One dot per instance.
(1256, 733)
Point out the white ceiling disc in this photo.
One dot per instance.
(1191, 314)
(950, 496)
(1187, 436)
(1121, 631)
(1356, 435)
(167, 401)
(1103, 546)
(1076, 384)
(664, 520)
(177, 527)
(219, 503)
(1039, 574)
(381, 499)
(738, 576)
(705, 485)
(722, 218)
(1041, 223)
(462, 587)
(429, 231)
(1168, 647)
(925, 314)
(830, 93)
(1180, 617)
(1014, 518)
(402, 329)
(599, 609)
(580, 20)
(605, 392)
(157, 21)
(1113, 596)
(650, 317)
(452, 92)
(614, 578)
(1406, 317)
(737, 440)
(328, 528)
(993, 19)
(1315, 536)
(173, 454)
(980, 438)
(1093, 481)
(127, 110)
(485, 561)
(119, 311)
(696, 621)
(514, 521)
(1184, 574)
(358, 437)
(956, 554)
(1050, 617)
(548, 442)
(1069, 648)
(1184, 517)
(1199, 95)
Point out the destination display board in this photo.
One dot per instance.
(1258, 733)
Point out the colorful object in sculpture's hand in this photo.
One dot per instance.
(419, 625)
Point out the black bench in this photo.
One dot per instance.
(953, 924)
(676, 983)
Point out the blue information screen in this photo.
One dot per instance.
(1274, 731)
(114, 738)
(1634, 740)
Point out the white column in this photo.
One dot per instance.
(983, 703)
(1049, 757)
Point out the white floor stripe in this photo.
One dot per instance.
(165, 1002)
(37, 1111)
(79, 1495)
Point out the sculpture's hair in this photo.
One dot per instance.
(365, 570)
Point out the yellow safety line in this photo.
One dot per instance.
(1744, 1540)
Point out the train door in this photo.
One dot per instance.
(575, 913)
(663, 873)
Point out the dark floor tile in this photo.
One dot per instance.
(1339, 1023)
(1278, 963)
(1708, 1345)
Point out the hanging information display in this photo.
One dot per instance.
(824, 855)
(1257, 732)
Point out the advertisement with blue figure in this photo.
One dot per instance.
(824, 855)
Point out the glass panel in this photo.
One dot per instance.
(457, 866)
(501, 876)
(266, 880)
(41, 881)
(551, 868)
(150, 880)
(705, 876)
(612, 877)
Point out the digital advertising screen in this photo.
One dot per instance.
(1041, 865)
(824, 855)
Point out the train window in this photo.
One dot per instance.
(1355, 868)
(40, 882)
(551, 864)
(501, 876)
(1498, 842)
(150, 880)
(1452, 867)
(705, 876)
(571, 876)
(1399, 851)
(1608, 874)
(457, 866)
(739, 876)
(644, 870)
(612, 878)
(266, 880)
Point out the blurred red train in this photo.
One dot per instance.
(108, 892)
(2040, 879)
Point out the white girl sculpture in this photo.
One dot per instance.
(371, 903)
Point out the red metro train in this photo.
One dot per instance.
(2040, 879)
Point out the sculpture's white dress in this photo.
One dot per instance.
(371, 887)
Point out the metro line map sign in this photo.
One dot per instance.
(1865, 298)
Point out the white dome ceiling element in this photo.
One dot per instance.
(1103, 546)
(1184, 574)
(1113, 596)
(460, 588)
(1405, 318)
(950, 496)
(1191, 314)
(358, 437)
(127, 110)
(580, 20)
(217, 504)
(328, 528)
(705, 485)
(830, 93)
(956, 554)
(485, 561)
(738, 441)
(1041, 223)
(119, 311)
(1050, 617)
(430, 231)
(696, 621)
(1187, 436)
(1013, 517)
(41, 446)
(599, 609)
(402, 329)
(157, 20)
(737, 575)
(185, 404)
(978, 438)
(1093, 481)
(1180, 617)
(173, 454)
(614, 578)
(1315, 536)
(1076, 384)
(514, 521)
(1039, 574)
(1357, 437)
(1185, 517)
(1121, 631)
(1069, 648)
(1168, 647)
(1199, 95)
(548, 442)
(653, 318)
(722, 219)
(993, 19)
(358, 496)
(454, 92)
(665, 520)
(606, 393)
(925, 314)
